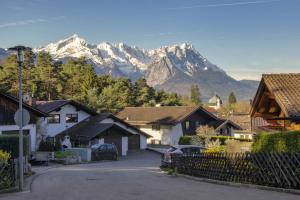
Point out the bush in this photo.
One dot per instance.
(214, 146)
(221, 138)
(4, 157)
(63, 154)
(10, 144)
(47, 145)
(184, 140)
(277, 142)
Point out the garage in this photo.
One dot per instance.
(134, 142)
(106, 128)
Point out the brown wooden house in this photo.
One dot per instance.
(8, 106)
(276, 105)
(166, 124)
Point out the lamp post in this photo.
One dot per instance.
(20, 59)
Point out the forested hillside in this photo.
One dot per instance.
(46, 79)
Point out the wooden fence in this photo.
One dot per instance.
(269, 169)
(8, 175)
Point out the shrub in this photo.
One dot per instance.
(221, 138)
(277, 142)
(63, 154)
(47, 145)
(235, 146)
(4, 157)
(10, 144)
(197, 140)
(214, 146)
(185, 140)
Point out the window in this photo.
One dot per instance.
(71, 118)
(197, 123)
(156, 127)
(54, 119)
(187, 125)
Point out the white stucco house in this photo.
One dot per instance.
(62, 115)
(106, 128)
(166, 124)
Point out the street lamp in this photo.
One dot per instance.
(20, 59)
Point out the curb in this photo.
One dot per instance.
(290, 191)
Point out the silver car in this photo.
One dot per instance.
(181, 150)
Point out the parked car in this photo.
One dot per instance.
(104, 152)
(181, 150)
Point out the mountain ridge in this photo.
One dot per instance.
(173, 68)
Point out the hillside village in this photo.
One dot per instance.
(134, 117)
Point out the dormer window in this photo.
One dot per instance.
(71, 118)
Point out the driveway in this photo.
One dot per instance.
(136, 177)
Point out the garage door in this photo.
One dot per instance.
(134, 142)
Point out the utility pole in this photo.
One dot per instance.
(20, 59)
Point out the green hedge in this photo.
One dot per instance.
(10, 144)
(277, 142)
(185, 140)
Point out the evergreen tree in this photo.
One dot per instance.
(231, 98)
(9, 75)
(195, 95)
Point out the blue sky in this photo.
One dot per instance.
(244, 37)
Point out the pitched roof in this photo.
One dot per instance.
(50, 106)
(286, 90)
(92, 127)
(13, 99)
(167, 115)
(222, 122)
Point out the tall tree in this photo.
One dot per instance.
(195, 95)
(231, 98)
(46, 77)
(9, 75)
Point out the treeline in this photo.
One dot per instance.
(46, 79)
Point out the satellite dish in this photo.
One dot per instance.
(25, 116)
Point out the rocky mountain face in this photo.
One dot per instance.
(173, 68)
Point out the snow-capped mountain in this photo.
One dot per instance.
(172, 68)
(122, 60)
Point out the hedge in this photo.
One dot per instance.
(185, 140)
(10, 144)
(277, 142)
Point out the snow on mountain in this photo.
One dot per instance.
(123, 60)
(172, 68)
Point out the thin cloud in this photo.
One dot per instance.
(29, 22)
(224, 4)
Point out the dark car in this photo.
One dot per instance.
(181, 150)
(104, 152)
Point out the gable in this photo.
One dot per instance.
(8, 108)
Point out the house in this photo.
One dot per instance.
(224, 127)
(215, 102)
(106, 128)
(8, 106)
(276, 105)
(167, 124)
(62, 114)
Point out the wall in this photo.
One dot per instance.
(167, 135)
(54, 129)
(30, 127)
(143, 142)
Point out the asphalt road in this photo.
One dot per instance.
(136, 177)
